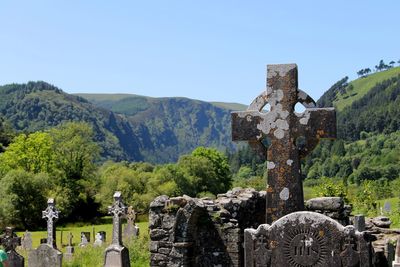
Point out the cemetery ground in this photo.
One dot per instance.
(90, 256)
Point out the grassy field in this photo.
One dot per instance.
(94, 256)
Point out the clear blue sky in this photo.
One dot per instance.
(204, 49)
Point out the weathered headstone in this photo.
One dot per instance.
(47, 254)
(387, 207)
(291, 136)
(98, 242)
(84, 240)
(306, 239)
(103, 235)
(131, 229)
(69, 250)
(26, 241)
(396, 262)
(116, 254)
(87, 234)
(9, 240)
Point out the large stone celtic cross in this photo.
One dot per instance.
(51, 215)
(117, 210)
(290, 135)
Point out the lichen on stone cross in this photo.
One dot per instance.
(51, 215)
(290, 135)
(10, 240)
(117, 210)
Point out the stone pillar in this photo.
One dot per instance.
(116, 255)
(359, 222)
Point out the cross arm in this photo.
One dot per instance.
(322, 122)
(315, 124)
(244, 125)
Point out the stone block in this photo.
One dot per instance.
(325, 203)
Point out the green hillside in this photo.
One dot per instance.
(230, 106)
(129, 127)
(360, 87)
(368, 104)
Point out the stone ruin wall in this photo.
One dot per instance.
(187, 231)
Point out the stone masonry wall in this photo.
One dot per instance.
(187, 231)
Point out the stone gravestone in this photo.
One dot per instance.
(283, 136)
(306, 239)
(98, 242)
(9, 240)
(387, 207)
(26, 241)
(131, 229)
(87, 235)
(69, 250)
(103, 235)
(47, 254)
(84, 240)
(116, 254)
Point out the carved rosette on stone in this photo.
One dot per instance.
(303, 239)
(116, 255)
(283, 136)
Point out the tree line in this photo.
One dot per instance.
(63, 162)
(381, 66)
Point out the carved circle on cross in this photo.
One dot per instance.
(262, 100)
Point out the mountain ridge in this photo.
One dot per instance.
(161, 133)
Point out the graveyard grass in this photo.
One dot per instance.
(90, 256)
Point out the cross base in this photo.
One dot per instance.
(116, 255)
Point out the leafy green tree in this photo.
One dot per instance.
(23, 196)
(32, 153)
(75, 149)
(75, 152)
(329, 188)
(132, 183)
(205, 170)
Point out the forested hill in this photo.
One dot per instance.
(145, 130)
(368, 104)
(171, 126)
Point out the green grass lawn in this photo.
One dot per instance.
(94, 256)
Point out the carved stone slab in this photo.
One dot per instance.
(45, 255)
(303, 239)
(26, 241)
